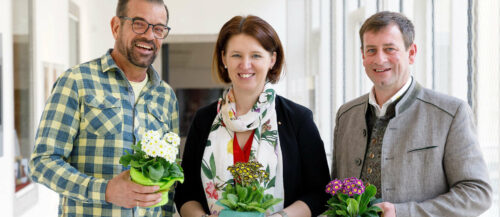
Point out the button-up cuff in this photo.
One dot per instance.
(97, 191)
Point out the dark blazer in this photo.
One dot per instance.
(305, 169)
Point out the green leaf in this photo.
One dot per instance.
(166, 168)
(352, 207)
(125, 160)
(264, 113)
(206, 170)
(341, 212)
(330, 212)
(258, 196)
(374, 200)
(215, 126)
(242, 207)
(175, 171)
(374, 209)
(155, 172)
(212, 165)
(370, 191)
(339, 206)
(242, 193)
(251, 196)
(229, 189)
(342, 197)
(357, 197)
(255, 208)
(267, 197)
(233, 199)
(135, 163)
(254, 203)
(257, 133)
(137, 148)
(271, 203)
(370, 214)
(269, 135)
(367, 196)
(271, 183)
(228, 203)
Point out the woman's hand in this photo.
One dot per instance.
(193, 209)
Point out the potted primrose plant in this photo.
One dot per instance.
(350, 198)
(154, 162)
(244, 194)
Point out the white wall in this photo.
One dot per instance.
(488, 93)
(51, 45)
(207, 17)
(95, 27)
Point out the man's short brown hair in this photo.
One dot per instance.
(383, 19)
(121, 7)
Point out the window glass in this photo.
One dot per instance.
(23, 90)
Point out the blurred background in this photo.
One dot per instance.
(458, 54)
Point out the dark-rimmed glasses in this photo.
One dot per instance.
(140, 26)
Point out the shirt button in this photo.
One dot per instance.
(358, 161)
(372, 155)
(369, 171)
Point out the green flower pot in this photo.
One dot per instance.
(164, 184)
(226, 212)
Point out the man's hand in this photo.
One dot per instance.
(121, 191)
(388, 209)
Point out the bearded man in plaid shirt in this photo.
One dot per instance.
(97, 110)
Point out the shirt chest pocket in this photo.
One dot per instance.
(158, 119)
(102, 116)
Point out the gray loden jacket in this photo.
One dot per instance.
(431, 162)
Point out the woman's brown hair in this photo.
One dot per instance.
(257, 28)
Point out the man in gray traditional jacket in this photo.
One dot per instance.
(417, 146)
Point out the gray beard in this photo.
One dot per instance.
(135, 58)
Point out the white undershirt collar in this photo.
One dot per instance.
(381, 111)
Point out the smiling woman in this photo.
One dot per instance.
(247, 63)
(250, 122)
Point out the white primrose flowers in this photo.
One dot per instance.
(156, 146)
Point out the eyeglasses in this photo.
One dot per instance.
(140, 26)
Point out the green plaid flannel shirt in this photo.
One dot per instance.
(88, 122)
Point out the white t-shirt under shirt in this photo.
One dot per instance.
(138, 86)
